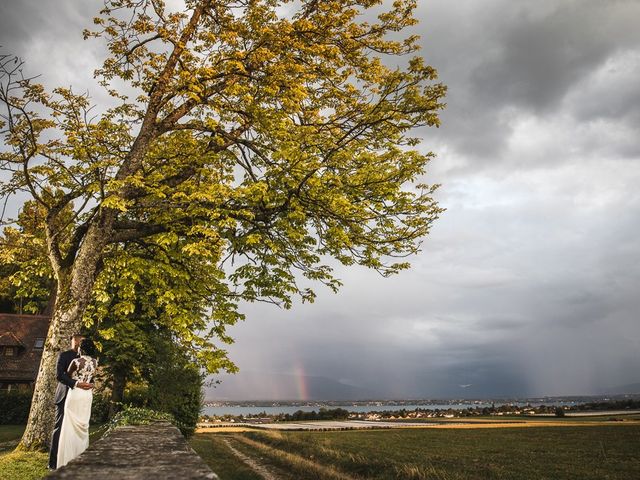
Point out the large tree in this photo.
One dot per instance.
(265, 135)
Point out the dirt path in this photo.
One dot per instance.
(254, 464)
(298, 462)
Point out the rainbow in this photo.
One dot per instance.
(301, 382)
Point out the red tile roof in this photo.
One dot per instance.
(21, 331)
(9, 339)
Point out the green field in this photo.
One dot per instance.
(554, 453)
(568, 452)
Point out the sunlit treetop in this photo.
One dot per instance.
(261, 135)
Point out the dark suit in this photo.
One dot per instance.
(65, 382)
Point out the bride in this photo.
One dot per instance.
(74, 433)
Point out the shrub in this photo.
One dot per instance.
(139, 416)
(136, 416)
(136, 394)
(14, 406)
(100, 408)
(176, 388)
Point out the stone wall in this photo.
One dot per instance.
(157, 451)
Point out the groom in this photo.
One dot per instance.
(65, 382)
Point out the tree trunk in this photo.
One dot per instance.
(74, 287)
(51, 304)
(117, 392)
(65, 322)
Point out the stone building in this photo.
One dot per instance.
(21, 342)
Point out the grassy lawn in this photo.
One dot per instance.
(25, 465)
(569, 452)
(19, 465)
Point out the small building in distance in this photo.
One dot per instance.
(21, 343)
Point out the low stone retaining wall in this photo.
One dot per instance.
(156, 451)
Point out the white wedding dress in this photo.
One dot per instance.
(74, 434)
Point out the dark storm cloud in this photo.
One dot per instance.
(47, 35)
(616, 80)
(501, 59)
(537, 58)
(56, 25)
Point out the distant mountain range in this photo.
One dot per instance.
(621, 389)
(279, 386)
(248, 385)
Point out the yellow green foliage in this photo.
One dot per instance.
(253, 141)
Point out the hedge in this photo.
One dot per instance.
(14, 406)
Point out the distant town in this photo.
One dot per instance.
(419, 408)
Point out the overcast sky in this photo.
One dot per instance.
(528, 284)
